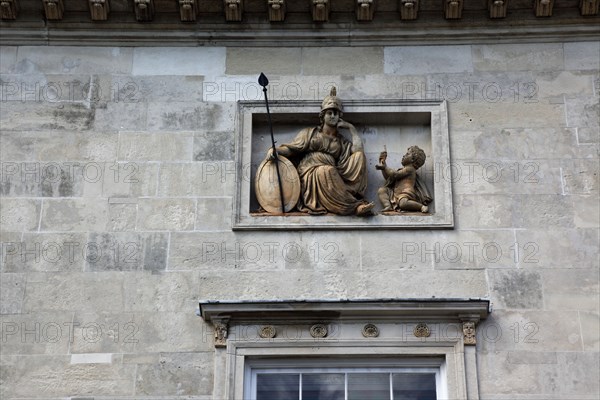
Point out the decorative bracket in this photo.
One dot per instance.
(320, 10)
(409, 9)
(188, 10)
(8, 9)
(469, 324)
(233, 10)
(453, 9)
(589, 7)
(144, 10)
(276, 10)
(221, 325)
(543, 8)
(54, 9)
(498, 8)
(99, 9)
(365, 9)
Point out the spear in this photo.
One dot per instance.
(263, 81)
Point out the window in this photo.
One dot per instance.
(348, 380)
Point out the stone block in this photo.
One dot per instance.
(166, 214)
(488, 211)
(104, 333)
(18, 215)
(47, 116)
(43, 88)
(587, 212)
(75, 215)
(172, 332)
(127, 251)
(529, 331)
(167, 292)
(417, 60)
(122, 216)
(518, 57)
(130, 179)
(558, 248)
(162, 88)
(213, 214)
(206, 61)
(543, 212)
(491, 176)
(573, 377)
(499, 378)
(185, 116)
(114, 117)
(583, 112)
(9, 247)
(206, 178)
(8, 59)
(564, 83)
(39, 333)
(45, 252)
(82, 292)
(12, 293)
(491, 116)
(516, 289)
(590, 324)
(155, 147)
(251, 61)
(580, 176)
(588, 135)
(74, 60)
(184, 374)
(582, 55)
(56, 377)
(532, 357)
(214, 146)
(343, 60)
(569, 289)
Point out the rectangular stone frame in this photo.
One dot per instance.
(442, 217)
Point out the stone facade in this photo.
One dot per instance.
(118, 174)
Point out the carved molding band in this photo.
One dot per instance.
(99, 9)
(8, 9)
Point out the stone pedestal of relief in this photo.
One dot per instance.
(397, 124)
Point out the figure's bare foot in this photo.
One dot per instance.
(388, 208)
(364, 208)
(424, 209)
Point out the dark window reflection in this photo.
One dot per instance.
(277, 387)
(322, 386)
(414, 386)
(368, 386)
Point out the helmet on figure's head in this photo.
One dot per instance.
(332, 101)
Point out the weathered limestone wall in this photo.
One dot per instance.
(117, 181)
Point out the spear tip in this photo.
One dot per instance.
(262, 80)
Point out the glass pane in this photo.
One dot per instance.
(277, 387)
(414, 386)
(368, 386)
(322, 386)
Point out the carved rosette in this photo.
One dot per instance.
(453, 9)
(469, 333)
(588, 7)
(318, 331)
(221, 331)
(320, 10)
(365, 9)
(409, 9)
(543, 8)
(8, 9)
(267, 332)
(498, 8)
(233, 10)
(99, 9)
(188, 10)
(144, 10)
(53, 9)
(370, 331)
(276, 10)
(421, 330)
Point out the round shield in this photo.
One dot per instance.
(267, 186)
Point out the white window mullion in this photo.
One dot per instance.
(345, 386)
(300, 387)
(391, 387)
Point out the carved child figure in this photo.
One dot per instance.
(403, 191)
